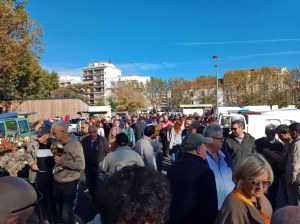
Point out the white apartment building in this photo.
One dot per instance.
(137, 78)
(67, 80)
(100, 78)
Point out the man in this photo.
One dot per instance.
(286, 215)
(41, 161)
(17, 200)
(95, 148)
(187, 123)
(139, 128)
(293, 166)
(146, 148)
(121, 157)
(193, 186)
(220, 162)
(271, 148)
(84, 129)
(68, 165)
(283, 133)
(239, 143)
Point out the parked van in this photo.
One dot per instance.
(255, 123)
(11, 125)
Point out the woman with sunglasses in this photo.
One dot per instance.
(247, 202)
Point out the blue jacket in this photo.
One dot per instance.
(193, 189)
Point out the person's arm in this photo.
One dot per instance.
(104, 165)
(132, 136)
(172, 135)
(76, 152)
(296, 162)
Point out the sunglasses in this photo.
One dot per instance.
(40, 197)
(234, 129)
(257, 183)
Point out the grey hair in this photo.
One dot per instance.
(211, 129)
(60, 124)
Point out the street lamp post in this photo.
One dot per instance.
(215, 58)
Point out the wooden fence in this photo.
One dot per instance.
(45, 108)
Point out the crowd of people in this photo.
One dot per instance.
(212, 176)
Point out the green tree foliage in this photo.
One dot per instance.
(70, 91)
(265, 86)
(19, 51)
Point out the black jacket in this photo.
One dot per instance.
(193, 189)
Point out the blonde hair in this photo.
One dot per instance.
(251, 166)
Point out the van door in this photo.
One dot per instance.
(2, 129)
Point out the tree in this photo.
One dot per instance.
(180, 92)
(70, 91)
(294, 77)
(128, 96)
(204, 88)
(155, 91)
(19, 50)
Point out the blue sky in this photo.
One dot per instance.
(168, 38)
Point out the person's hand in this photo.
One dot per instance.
(266, 151)
(34, 166)
(59, 160)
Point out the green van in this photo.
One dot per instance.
(13, 126)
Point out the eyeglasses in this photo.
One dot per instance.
(234, 129)
(40, 197)
(264, 183)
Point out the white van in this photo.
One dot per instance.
(255, 123)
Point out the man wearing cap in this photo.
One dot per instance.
(41, 161)
(121, 157)
(193, 186)
(268, 146)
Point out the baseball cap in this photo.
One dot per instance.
(194, 125)
(193, 141)
(270, 129)
(42, 131)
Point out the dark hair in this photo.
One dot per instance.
(239, 123)
(149, 130)
(295, 127)
(282, 129)
(122, 139)
(134, 195)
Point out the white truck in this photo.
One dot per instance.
(255, 123)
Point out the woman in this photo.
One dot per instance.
(175, 138)
(113, 133)
(247, 202)
(100, 126)
(130, 133)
